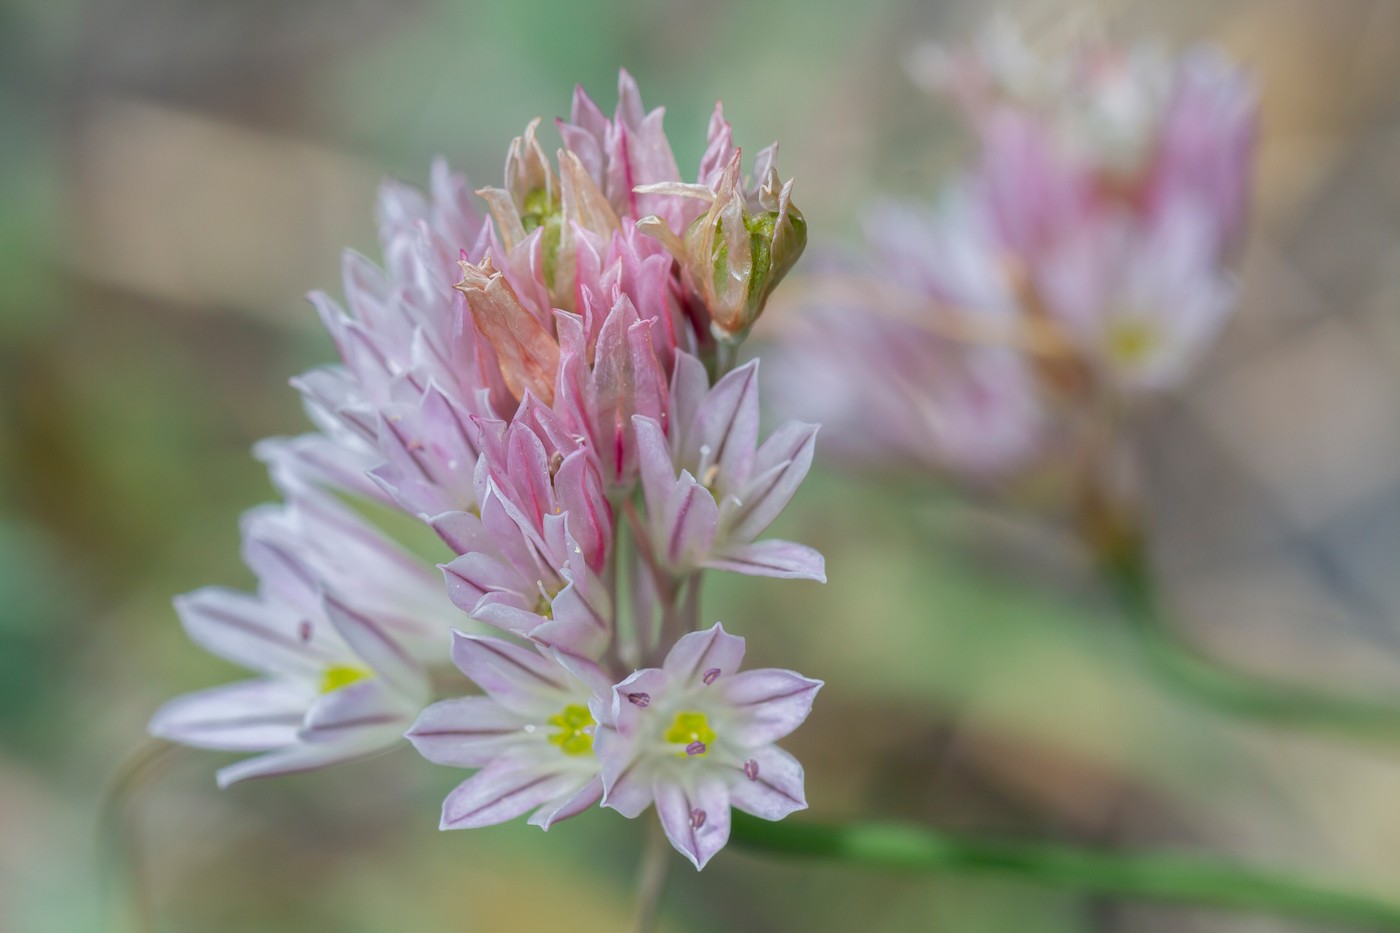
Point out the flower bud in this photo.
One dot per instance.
(531, 195)
(734, 254)
(527, 353)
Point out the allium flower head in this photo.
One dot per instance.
(510, 382)
(1082, 261)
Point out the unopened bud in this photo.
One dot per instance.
(527, 353)
(735, 253)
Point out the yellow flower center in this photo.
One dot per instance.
(691, 730)
(575, 724)
(342, 675)
(1131, 341)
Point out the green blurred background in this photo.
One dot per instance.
(174, 175)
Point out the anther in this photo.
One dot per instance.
(710, 675)
(639, 700)
(751, 770)
(695, 748)
(697, 818)
(304, 630)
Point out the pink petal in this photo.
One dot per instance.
(294, 760)
(771, 702)
(581, 495)
(726, 423)
(376, 647)
(778, 469)
(253, 715)
(692, 521)
(359, 709)
(461, 531)
(465, 732)
(247, 631)
(522, 680)
(472, 576)
(776, 788)
(700, 652)
(506, 788)
(657, 472)
(567, 805)
(579, 626)
(784, 560)
(696, 820)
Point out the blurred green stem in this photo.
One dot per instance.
(1158, 877)
(122, 854)
(651, 878)
(1221, 688)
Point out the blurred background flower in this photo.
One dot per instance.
(176, 175)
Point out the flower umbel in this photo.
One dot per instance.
(537, 384)
(1081, 263)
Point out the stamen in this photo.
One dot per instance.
(697, 818)
(544, 606)
(695, 748)
(304, 630)
(710, 676)
(751, 770)
(706, 470)
(639, 700)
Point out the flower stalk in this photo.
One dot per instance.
(651, 878)
(1166, 878)
(1210, 684)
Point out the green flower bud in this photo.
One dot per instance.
(734, 254)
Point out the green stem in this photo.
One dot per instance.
(1233, 692)
(1177, 879)
(651, 878)
(119, 842)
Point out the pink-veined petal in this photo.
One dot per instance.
(244, 629)
(692, 521)
(770, 702)
(379, 650)
(626, 787)
(727, 424)
(779, 468)
(521, 679)
(253, 715)
(700, 653)
(568, 804)
(294, 760)
(359, 709)
(508, 787)
(785, 560)
(465, 732)
(775, 788)
(696, 820)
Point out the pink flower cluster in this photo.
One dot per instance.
(1084, 257)
(552, 390)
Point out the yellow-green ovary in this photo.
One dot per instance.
(575, 724)
(689, 728)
